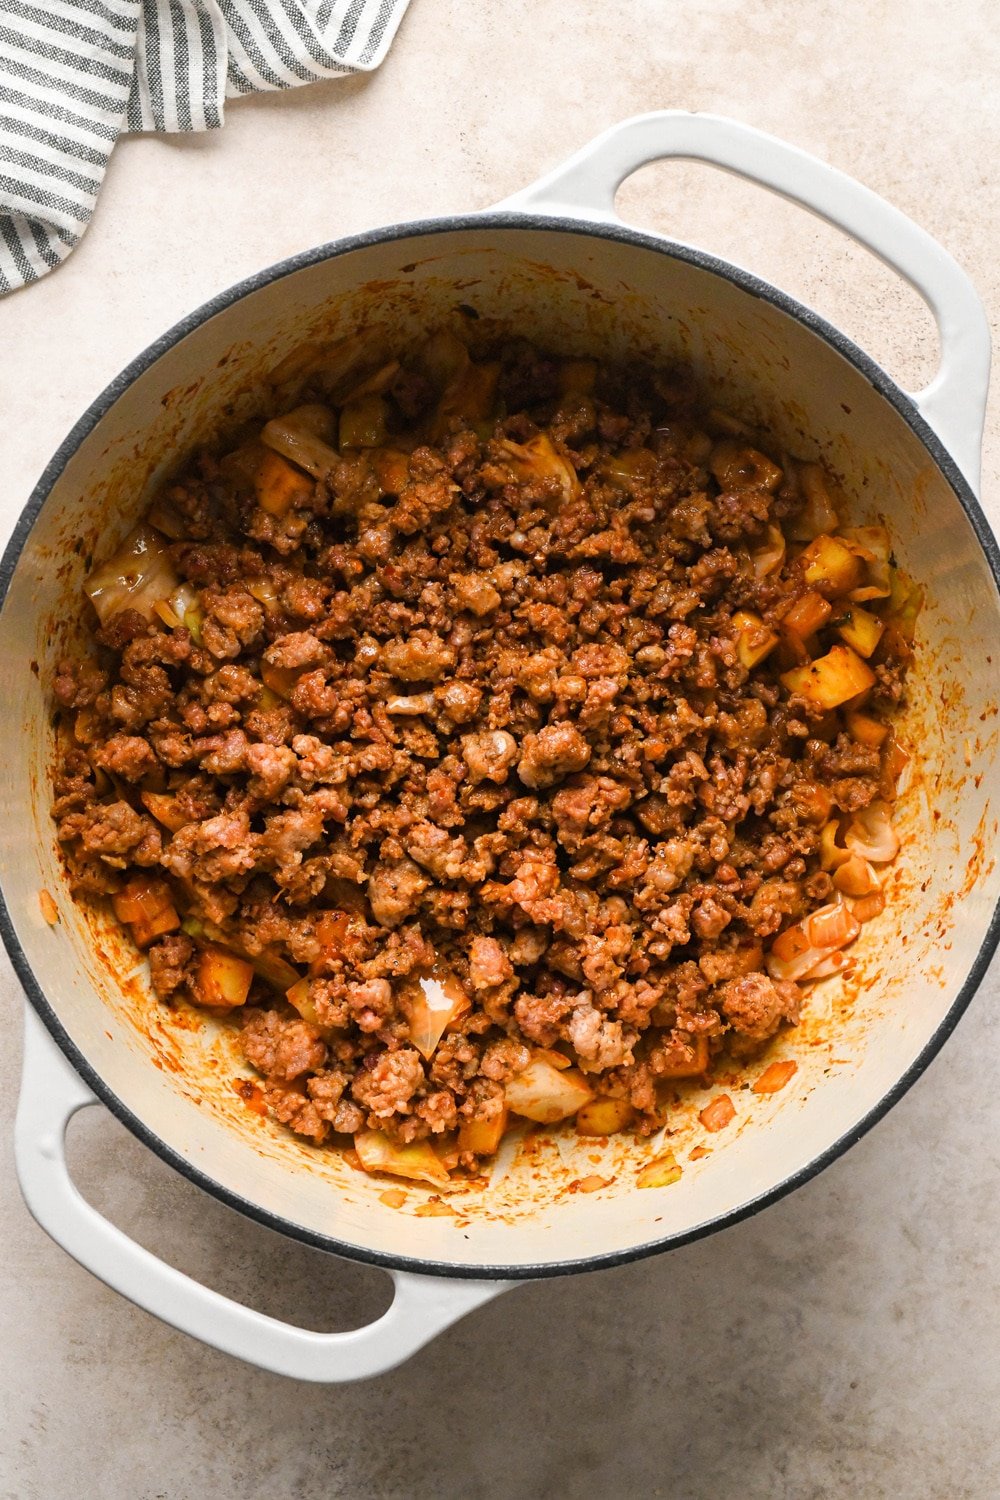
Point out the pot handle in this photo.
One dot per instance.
(954, 404)
(51, 1093)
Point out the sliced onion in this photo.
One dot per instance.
(769, 558)
(856, 877)
(799, 951)
(413, 703)
(538, 459)
(304, 436)
(818, 515)
(872, 545)
(832, 963)
(872, 836)
(138, 576)
(437, 1001)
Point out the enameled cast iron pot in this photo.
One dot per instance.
(555, 263)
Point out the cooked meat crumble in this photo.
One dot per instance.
(508, 733)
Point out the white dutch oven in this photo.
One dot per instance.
(556, 263)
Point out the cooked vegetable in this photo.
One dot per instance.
(855, 877)
(755, 640)
(138, 576)
(818, 515)
(434, 1002)
(165, 809)
(808, 614)
(577, 376)
(470, 397)
(546, 1094)
(739, 467)
(830, 566)
(769, 558)
(364, 422)
(872, 836)
(832, 852)
(695, 1066)
(906, 600)
(392, 469)
(832, 679)
(280, 680)
(865, 729)
(418, 1161)
(872, 905)
(871, 543)
(221, 978)
(538, 459)
(144, 901)
(860, 629)
(305, 435)
(775, 1076)
(662, 1171)
(718, 1113)
(278, 485)
(604, 1116)
(798, 951)
(49, 909)
(483, 1136)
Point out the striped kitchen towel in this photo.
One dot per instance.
(74, 74)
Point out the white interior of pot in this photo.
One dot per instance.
(577, 294)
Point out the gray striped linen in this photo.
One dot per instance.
(75, 74)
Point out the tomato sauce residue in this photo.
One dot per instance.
(251, 1094)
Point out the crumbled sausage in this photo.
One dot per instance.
(476, 712)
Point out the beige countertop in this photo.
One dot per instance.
(847, 1340)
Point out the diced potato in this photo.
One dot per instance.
(146, 929)
(392, 469)
(604, 1116)
(222, 979)
(831, 566)
(807, 615)
(434, 1002)
(278, 485)
(832, 679)
(141, 899)
(417, 1161)
(483, 1136)
(546, 1094)
(165, 810)
(866, 730)
(754, 641)
(577, 376)
(860, 629)
(297, 996)
(550, 1055)
(364, 423)
(693, 1067)
(662, 1171)
(906, 600)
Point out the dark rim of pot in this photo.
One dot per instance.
(477, 223)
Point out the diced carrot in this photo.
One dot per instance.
(775, 1076)
(279, 485)
(718, 1113)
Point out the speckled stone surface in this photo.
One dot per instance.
(844, 1342)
